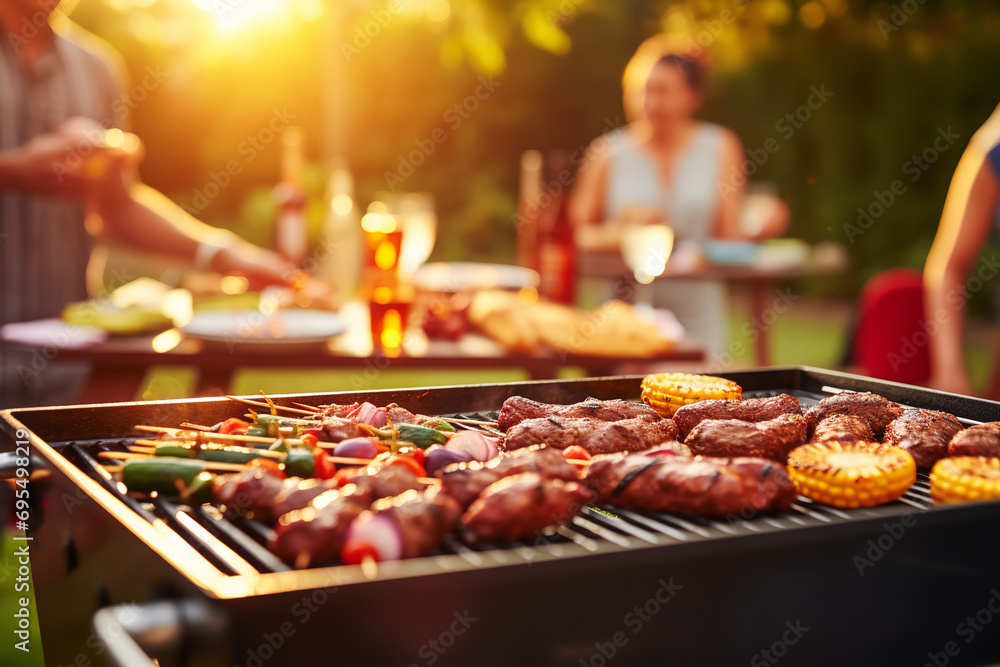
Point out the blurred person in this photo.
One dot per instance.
(970, 212)
(64, 160)
(666, 167)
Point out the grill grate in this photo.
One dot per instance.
(237, 546)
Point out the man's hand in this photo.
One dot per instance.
(259, 266)
(79, 160)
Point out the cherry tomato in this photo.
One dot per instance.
(418, 454)
(344, 476)
(408, 461)
(232, 425)
(309, 439)
(325, 467)
(270, 464)
(354, 553)
(576, 452)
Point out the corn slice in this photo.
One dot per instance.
(843, 474)
(666, 392)
(965, 479)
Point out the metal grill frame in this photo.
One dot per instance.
(246, 596)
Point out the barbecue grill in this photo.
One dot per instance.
(126, 580)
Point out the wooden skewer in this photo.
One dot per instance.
(150, 448)
(196, 427)
(214, 436)
(310, 408)
(369, 567)
(474, 422)
(260, 404)
(111, 470)
(214, 466)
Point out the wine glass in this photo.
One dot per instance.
(415, 211)
(645, 249)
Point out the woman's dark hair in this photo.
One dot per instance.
(688, 67)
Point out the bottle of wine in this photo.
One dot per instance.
(291, 229)
(557, 251)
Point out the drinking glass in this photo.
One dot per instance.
(646, 249)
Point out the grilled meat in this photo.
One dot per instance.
(697, 487)
(263, 495)
(423, 518)
(517, 409)
(925, 434)
(466, 481)
(518, 506)
(843, 428)
(748, 410)
(978, 440)
(597, 437)
(314, 533)
(874, 409)
(772, 439)
(336, 429)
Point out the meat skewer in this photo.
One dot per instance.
(748, 410)
(519, 506)
(314, 532)
(772, 439)
(517, 409)
(925, 434)
(697, 487)
(466, 481)
(597, 437)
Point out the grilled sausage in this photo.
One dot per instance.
(517, 409)
(597, 437)
(925, 434)
(843, 428)
(748, 410)
(978, 440)
(772, 439)
(874, 409)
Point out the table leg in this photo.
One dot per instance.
(759, 289)
(111, 384)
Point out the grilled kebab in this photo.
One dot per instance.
(597, 437)
(517, 409)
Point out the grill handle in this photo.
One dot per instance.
(131, 632)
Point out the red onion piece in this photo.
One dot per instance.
(356, 448)
(474, 443)
(438, 457)
(373, 534)
(369, 414)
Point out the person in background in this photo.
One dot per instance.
(68, 169)
(667, 167)
(970, 210)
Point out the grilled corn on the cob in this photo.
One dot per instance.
(964, 479)
(666, 392)
(844, 474)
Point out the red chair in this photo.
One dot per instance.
(891, 341)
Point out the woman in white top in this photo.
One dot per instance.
(666, 167)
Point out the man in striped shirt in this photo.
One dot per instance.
(59, 165)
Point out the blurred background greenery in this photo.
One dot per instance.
(898, 72)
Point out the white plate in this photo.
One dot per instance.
(465, 276)
(251, 330)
